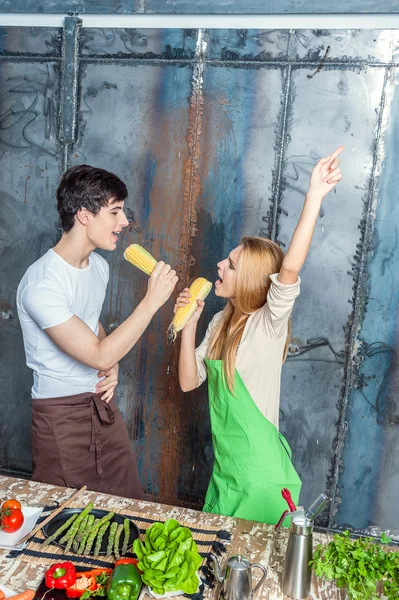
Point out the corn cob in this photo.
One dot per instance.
(199, 290)
(140, 258)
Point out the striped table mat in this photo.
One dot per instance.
(208, 541)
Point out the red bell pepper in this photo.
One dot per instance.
(76, 591)
(98, 571)
(61, 576)
(127, 561)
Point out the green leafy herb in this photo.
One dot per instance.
(101, 592)
(359, 565)
(169, 558)
(102, 581)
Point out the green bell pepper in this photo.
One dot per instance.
(125, 583)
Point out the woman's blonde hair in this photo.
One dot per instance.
(259, 258)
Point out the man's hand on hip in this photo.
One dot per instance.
(106, 387)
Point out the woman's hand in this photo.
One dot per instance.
(182, 300)
(107, 386)
(324, 178)
(325, 175)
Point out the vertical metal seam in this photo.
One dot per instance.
(359, 297)
(76, 40)
(197, 81)
(62, 96)
(191, 191)
(69, 87)
(276, 198)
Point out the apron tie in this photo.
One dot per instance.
(101, 414)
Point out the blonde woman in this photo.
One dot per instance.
(242, 355)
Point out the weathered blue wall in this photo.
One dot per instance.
(370, 457)
(216, 133)
(200, 6)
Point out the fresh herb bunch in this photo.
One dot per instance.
(101, 591)
(359, 565)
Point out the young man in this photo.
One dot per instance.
(78, 434)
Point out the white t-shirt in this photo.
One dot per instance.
(261, 350)
(50, 293)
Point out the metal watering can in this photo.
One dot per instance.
(237, 581)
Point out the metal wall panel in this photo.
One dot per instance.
(147, 148)
(317, 358)
(145, 43)
(33, 41)
(199, 7)
(29, 174)
(215, 133)
(370, 457)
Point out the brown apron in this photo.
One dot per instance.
(81, 440)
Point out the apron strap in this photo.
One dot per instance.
(285, 445)
(101, 414)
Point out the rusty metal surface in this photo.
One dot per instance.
(201, 6)
(28, 154)
(215, 133)
(373, 408)
(256, 541)
(319, 357)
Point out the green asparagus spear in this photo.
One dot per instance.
(90, 523)
(94, 530)
(100, 536)
(60, 530)
(79, 535)
(69, 544)
(117, 540)
(75, 526)
(111, 537)
(126, 529)
(73, 535)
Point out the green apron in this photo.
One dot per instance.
(252, 459)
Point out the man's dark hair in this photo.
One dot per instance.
(87, 187)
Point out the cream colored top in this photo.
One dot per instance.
(261, 350)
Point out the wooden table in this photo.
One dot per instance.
(256, 541)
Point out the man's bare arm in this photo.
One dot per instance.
(101, 332)
(77, 339)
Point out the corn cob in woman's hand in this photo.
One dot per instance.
(199, 290)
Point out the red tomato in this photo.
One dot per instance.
(12, 504)
(11, 520)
